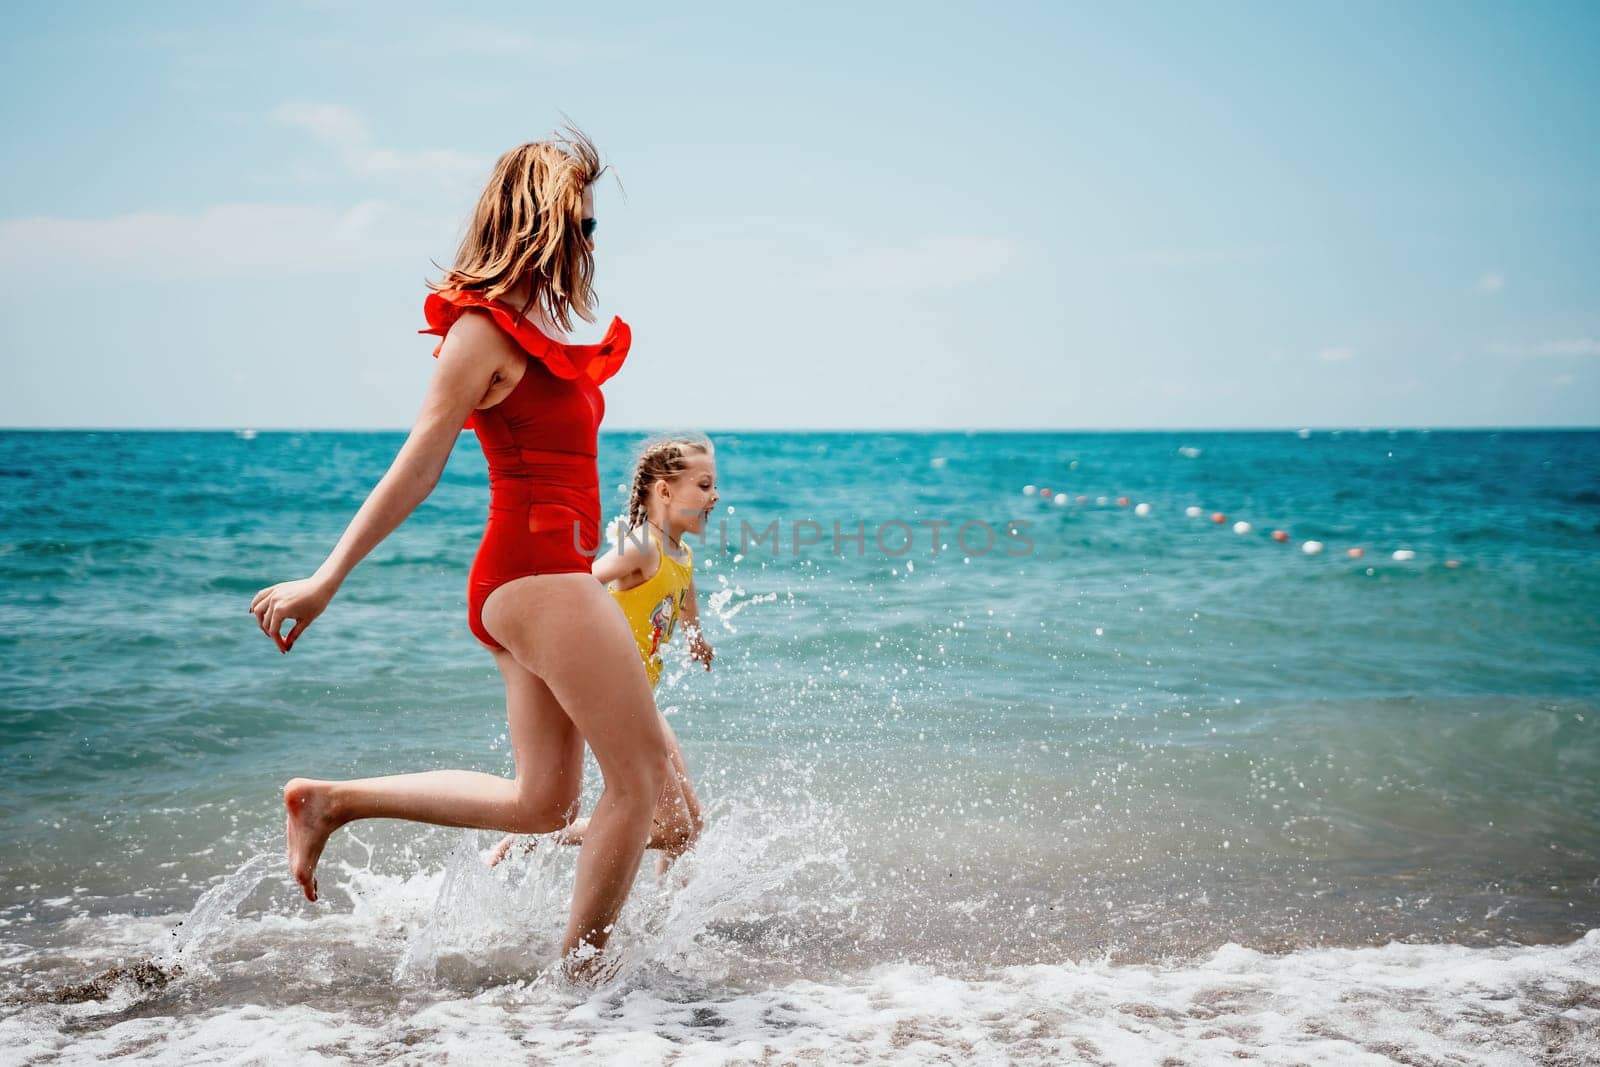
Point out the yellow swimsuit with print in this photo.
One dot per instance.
(652, 607)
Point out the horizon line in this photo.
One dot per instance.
(1285, 428)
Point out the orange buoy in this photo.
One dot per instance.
(1082, 499)
(1044, 492)
(1452, 563)
(1122, 501)
(1218, 517)
(1280, 535)
(1355, 553)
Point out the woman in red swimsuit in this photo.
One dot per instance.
(571, 670)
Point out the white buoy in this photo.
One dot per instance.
(1194, 511)
(1311, 548)
(1141, 510)
(1102, 500)
(1029, 490)
(1241, 527)
(1061, 500)
(1404, 555)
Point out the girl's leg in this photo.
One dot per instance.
(566, 629)
(677, 821)
(674, 827)
(542, 797)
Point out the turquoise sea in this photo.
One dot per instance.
(1122, 786)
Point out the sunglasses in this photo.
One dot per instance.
(587, 227)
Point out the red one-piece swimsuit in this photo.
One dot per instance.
(540, 442)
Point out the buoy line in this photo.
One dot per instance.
(1241, 527)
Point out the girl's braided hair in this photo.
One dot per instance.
(663, 457)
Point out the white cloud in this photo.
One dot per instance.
(1336, 354)
(329, 123)
(255, 239)
(346, 133)
(1576, 346)
(228, 240)
(1569, 346)
(1489, 283)
(931, 263)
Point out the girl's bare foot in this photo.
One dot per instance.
(501, 849)
(310, 820)
(571, 834)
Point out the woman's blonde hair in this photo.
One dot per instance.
(528, 227)
(663, 457)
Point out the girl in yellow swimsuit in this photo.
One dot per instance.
(650, 574)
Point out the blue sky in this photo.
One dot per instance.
(1007, 216)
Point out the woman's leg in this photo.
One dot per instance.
(542, 797)
(566, 629)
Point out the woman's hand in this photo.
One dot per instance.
(301, 601)
(471, 356)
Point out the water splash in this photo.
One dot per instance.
(722, 605)
(216, 909)
(759, 875)
(757, 879)
(119, 986)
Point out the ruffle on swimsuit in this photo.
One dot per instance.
(596, 362)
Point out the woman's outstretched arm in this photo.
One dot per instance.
(468, 362)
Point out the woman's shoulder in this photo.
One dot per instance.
(444, 309)
(475, 341)
(447, 318)
(477, 327)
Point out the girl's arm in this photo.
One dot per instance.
(615, 566)
(625, 564)
(699, 647)
(466, 369)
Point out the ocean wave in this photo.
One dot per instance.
(720, 963)
(1406, 1003)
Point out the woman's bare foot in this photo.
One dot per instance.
(586, 968)
(310, 820)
